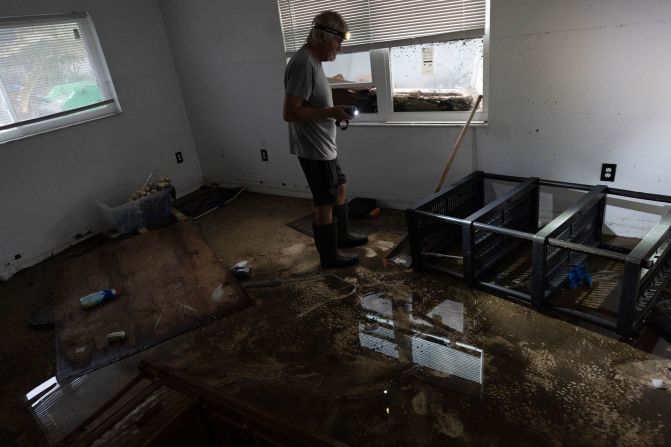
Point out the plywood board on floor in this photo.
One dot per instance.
(170, 282)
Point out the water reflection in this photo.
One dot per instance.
(59, 408)
(450, 313)
(48, 400)
(388, 326)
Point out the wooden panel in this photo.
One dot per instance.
(170, 282)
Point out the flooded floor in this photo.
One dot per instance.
(375, 354)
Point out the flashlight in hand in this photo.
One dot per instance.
(352, 112)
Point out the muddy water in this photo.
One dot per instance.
(404, 360)
(416, 360)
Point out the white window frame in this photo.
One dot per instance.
(381, 74)
(381, 80)
(107, 107)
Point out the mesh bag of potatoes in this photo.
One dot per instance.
(149, 205)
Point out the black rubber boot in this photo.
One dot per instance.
(325, 241)
(345, 238)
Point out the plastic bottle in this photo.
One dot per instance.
(97, 297)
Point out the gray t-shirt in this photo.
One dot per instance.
(305, 78)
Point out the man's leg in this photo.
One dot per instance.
(324, 214)
(322, 179)
(341, 198)
(326, 239)
(345, 238)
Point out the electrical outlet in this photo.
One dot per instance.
(264, 155)
(179, 158)
(608, 172)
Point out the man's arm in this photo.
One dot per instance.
(296, 110)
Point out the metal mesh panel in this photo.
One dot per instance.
(460, 202)
(587, 229)
(654, 279)
(490, 248)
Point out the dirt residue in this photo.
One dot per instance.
(653, 373)
(449, 424)
(419, 404)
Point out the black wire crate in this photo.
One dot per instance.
(436, 243)
(501, 245)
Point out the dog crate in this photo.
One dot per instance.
(502, 246)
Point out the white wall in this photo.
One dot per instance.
(230, 60)
(49, 183)
(229, 57)
(573, 84)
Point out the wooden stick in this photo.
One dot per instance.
(455, 149)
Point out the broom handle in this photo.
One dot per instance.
(455, 149)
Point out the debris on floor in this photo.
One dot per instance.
(241, 269)
(400, 254)
(148, 189)
(655, 373)
(42, 317)
(116, 336)
(98, 297)
(363, 208)
(577, 275)
(321, 289)
(403, 259)
(148, 207)
(658, 383)
(206, 199)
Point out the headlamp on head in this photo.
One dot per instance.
(343, 35)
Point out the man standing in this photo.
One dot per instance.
(309, 110)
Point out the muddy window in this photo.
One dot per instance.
(443, 76)
(405, 62)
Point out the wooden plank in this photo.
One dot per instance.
(170, 282)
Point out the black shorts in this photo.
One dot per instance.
(323, 177)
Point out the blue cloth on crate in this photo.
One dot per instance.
(578, 275)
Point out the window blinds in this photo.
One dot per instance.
(49, 66)
(384, 23)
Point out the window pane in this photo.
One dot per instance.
(444, 76)
(349, 67)
(46, 69)
(352, 68)
(6, 115)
